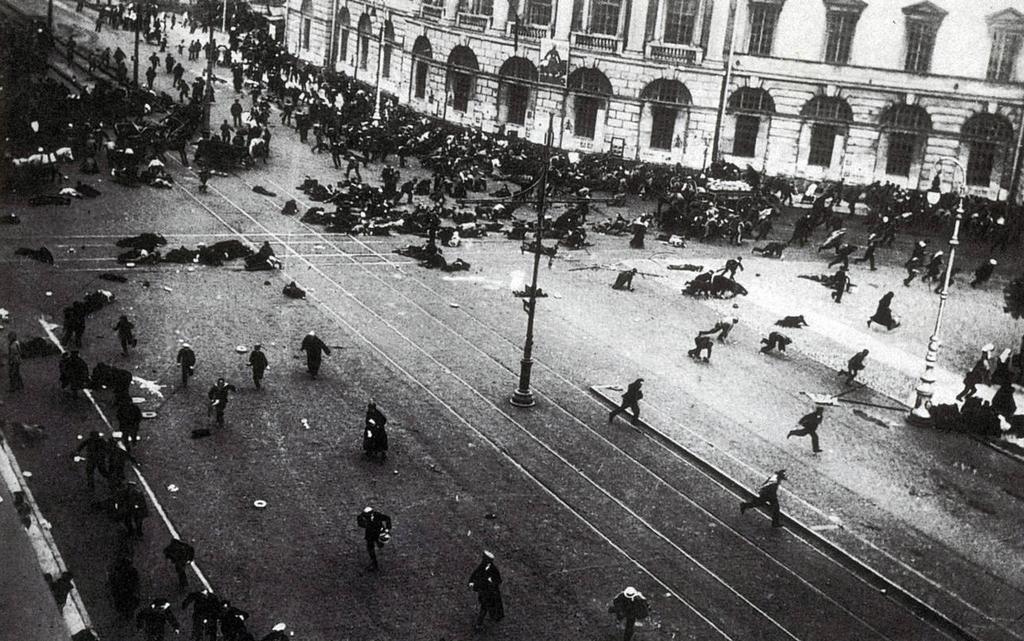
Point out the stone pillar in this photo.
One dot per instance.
(636, 30)
(499, 15)
(563, 19)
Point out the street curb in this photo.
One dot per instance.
(804, 531)
(76, 618)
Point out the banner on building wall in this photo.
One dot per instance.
(553, 65)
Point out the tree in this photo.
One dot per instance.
(1013, 297)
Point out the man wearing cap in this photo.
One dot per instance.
(731, 266)
(630, 400)
(258, 363)
(218, 396)
(768, 495)
(180, 554)
(984, 272)
(630, 605)
(854, 366)
(377, 531)
(375, 437)
(869, 252)
(277, 633)
(154, 619)
(187, 359)
(129, 419)
(486, 582)
(315, 349)
(809, 427)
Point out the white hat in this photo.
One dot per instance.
(988, 347)
(488, 555)
(367, 510)
(278, 628)
(993, 261)
(630, 593)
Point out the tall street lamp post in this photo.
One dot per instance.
(523, 395)
(921, 414)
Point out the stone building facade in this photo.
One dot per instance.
(860, 90)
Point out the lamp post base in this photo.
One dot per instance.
(522, 398)
(920, 416)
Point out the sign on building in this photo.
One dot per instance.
(553, 65)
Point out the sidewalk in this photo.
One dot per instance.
(27, 606)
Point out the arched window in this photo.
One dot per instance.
(590, 88)
(906, 128)
(462, 66)
(988, 137)
(389, 43)
(752, 100)
(517, 94)
(422, 53)
(365, 32)
(749, 104)
(341, 31)
(830, 116)
(667, 98)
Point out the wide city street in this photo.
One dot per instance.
(891, 532)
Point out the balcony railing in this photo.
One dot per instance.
(676, 54)
(528, 31)
(597, 42)
(431, 11)
(477, 22)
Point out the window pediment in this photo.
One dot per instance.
(852, 6)
(925, 11)
(1006, 20)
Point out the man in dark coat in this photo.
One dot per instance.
(375, 436)
(841, 281)
(205, 613)
(486, 582)
(74, 372)
(129, 419)
(984, 272)
(701, 343)
(854, 366)
(315, 349)
(218, 396)
(95, 447)
(125, 333)
(768, 495)
(630, 400)
(979, 374)
(232, 622)
(377, 531)
(180, 554)
(258, 363)
(624, 281)
(869, 252)
(809, 424)
(130, 504)
(123, 581)
(187, 359)
(631, 606)
(154, 619)
(775, 340)
(236, 113)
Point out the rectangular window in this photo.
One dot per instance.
(307, 26)
(763, 18)
(604, 17)
(980, 163)
(663, 127)
(900, 154)
(420, 87)
(462, 89)
(1005, 50)
(538, 13)
(920, 44)
(745, 140)
(823, 139)
(518, 98)
(839, 29)
(343, 50)
(364, 51)
(586, 115)
(680, 21)
(476, 7)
